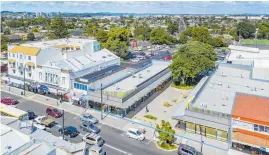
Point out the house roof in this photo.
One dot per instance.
(251, 108)
(26, 50)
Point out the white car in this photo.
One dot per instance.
(135, 133)
(135, 60)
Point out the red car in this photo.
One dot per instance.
(9, 101)
(53, 112)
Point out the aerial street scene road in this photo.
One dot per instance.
(134, 78)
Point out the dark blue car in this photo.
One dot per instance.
(69, 131)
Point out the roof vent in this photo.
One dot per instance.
(241, 75)
(228, 86)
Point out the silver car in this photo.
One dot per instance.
(88, 118)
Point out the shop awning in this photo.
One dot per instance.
(11, 60)
(30, 64)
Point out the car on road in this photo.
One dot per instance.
(53, 112)
(88, 118)
(9, 101)
(95, 150)
(43, 120)
(184, 149)
(31, 115)
(135, 60)
(135, 133)
(69, 131)
(93, 139)
(89, 127)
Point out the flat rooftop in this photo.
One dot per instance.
(219, 92)
(59, 43)
(138, 78)
(86, 61)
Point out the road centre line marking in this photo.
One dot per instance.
(117, 149)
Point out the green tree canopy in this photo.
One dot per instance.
(183, 38)
(166, 132)
(118, 40)
(4, 42)
(35, 29)
(143, 30)
(190, 60)
(92, 28)
(58, 28)
(200, 34)
(246, 29)
(160, 36)
(263, 32)
(31, 36)
(216, 42)
(140, 37)
(7, 31)
(102, 37)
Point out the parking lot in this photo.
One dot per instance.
(116, 143)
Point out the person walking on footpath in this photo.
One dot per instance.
(147, 110)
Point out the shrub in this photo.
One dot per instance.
(184, 87)
(166, 104)
(185, 95)
(166, 146)
(151, 117)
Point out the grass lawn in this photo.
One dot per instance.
(151, 117)
(166, 147)
(182, 86)
(255, 41)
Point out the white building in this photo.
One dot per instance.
(52, 62)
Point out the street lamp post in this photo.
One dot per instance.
(201, 139)
(101, 101)
(24, 80)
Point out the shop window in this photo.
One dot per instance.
(261, 128)
(29, 74)
(210, 132)
(29, 57)
(63, 80)
(256, 127)
(266, 129)
(14, 71)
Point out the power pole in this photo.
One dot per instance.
(63, 125)
(101, 101)
(24, 79)
(201, 140)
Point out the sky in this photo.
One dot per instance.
(167, 7)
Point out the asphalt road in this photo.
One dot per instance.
(115, 141)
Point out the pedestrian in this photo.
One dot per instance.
(147, 110)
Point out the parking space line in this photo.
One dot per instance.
(123, 134)
(117, 149)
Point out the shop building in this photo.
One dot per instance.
(209, 107)
(121, 90)
(250, 119)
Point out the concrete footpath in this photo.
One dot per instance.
(116, 121)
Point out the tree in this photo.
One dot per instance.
(118, 40)
(160, 36)
(200, 34)
(263, 32)
(58, 28)
(166, 132)
(191, 60)
(216, 42)
(92, 28)
(140, 37)
(4, 42)
(35, 29)
(7, 31)
(102, 37)
(188, 31)
(172, 28)
(143, 30)
(246, 29)
(183, 38)
(31, 36)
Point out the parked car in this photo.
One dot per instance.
(93, 139)
(184, 149)
(43, 120)
(88, 118)
(88, 126)
(95, 150)
(53, 112)
(31, 115)
(135, 133)
(9, 101)
(69, 131)
(135, 60)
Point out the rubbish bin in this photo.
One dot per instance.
(22, 93)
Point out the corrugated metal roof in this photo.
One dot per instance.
(26, 50)
(254, 109)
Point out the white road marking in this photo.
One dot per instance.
(100, 126)
(123, 134)
(117, 149)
